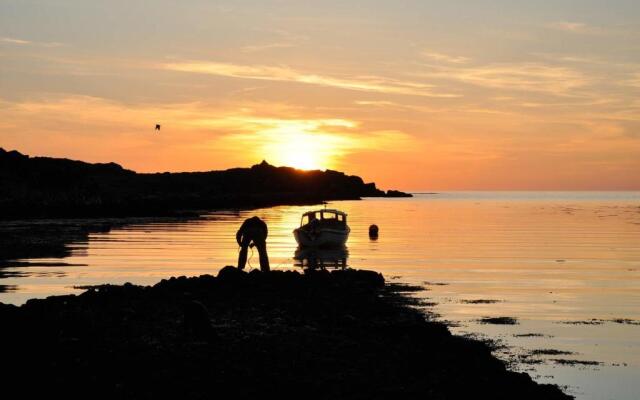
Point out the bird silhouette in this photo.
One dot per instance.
(157, 127)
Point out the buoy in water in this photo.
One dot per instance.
(373, 232)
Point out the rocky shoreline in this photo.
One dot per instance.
(315, 335)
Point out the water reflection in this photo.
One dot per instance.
(318, 258)
(547, 257)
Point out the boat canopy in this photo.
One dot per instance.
(324, 214)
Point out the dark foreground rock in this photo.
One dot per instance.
(318, 335)
(42, 187)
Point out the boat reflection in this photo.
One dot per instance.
(315, 258)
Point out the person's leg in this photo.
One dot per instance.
(264, 257)
(242, 258)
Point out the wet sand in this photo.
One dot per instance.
(341, 334)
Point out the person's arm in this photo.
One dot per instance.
(239, 234)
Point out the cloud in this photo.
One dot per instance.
(376, 103)
(634, 80)
(569, 26)
(286, 74)
(531, 77)
(265, 47)
(446, 58)
(14, 41)
(575, 27)
(22, 42)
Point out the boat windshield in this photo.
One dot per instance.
(323, 216)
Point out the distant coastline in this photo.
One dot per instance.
(43, 187)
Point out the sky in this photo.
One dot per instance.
(414, 95)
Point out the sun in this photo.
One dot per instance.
(300, 151)
(303, 144)
(304, 161)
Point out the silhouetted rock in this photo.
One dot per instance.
(231, 274)
(196, 319)
(284, 335)
(51, 187)
(397, 193)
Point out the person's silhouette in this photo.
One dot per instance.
(253, 231)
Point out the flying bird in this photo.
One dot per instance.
(157, 127)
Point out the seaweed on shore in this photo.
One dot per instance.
(595, 321)
(480, 301)
(528, 360)
(404, 287)
(498, 320)
(531, 335)
(549, 352)
(584, 322)
(563, 361)
(625, 321)
(428, 283)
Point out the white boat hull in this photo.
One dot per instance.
(323, 238)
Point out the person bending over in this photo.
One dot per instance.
(253, 232)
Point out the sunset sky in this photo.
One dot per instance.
(414, 95)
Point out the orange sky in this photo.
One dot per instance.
(420, 95)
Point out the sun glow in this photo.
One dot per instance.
(302, 144)
(297, 151)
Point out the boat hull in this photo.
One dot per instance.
(323, 238)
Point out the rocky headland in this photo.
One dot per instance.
(42, 187)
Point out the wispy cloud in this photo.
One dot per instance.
(376, 103)
(22, 42)
(575, 27)
(14, 41)
(287, 74)
(446, 58)
(456, 110)
(634, 80)
(532, 77)
(578, 60)
(265, 47)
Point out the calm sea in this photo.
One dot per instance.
(565, 265)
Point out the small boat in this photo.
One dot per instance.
(322, 228)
